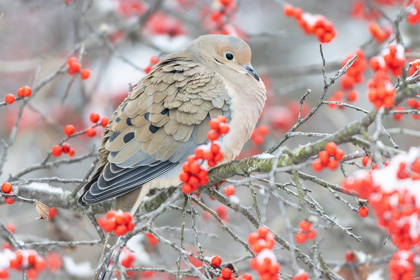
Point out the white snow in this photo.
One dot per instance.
(78, 270)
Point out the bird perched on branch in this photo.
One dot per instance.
(166, 116)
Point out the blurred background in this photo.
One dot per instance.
(115, 40)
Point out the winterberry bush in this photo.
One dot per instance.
(326, 188)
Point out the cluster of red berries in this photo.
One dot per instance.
(117, 221)
(64, 148)
(301, 275)
(316, 25)
(414, 17)
(378, 32)
(127, 259)
(380, 90)
(7, 188)
(153, 61)
(359, 10)
(402, 265)
(28, 260)
(328, 158)
(128, 8)
(220, 16)
(193, 175)
(74, 68)
(25, 91)
(391, 192)
(354, 74)
(259, 134)
(261, 240)
(306, 232)
(226, 272)
(265, 263)
(161, 23)
(414, 66)
(392, 59)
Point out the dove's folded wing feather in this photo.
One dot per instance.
(157, 126)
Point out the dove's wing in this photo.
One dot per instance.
(157, 126)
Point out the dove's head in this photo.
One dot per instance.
(229, 56)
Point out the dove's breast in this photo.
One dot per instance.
(247, 103)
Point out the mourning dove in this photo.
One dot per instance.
(166, 116)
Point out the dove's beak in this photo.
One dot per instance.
(252, 72)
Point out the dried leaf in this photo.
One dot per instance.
(42, 210)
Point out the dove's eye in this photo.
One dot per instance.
(229, 56)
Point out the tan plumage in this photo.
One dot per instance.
(165, 117)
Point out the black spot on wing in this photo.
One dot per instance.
(164, 112)
(129, 123)
(153, 128)
(113, 136)
(128, 137)
(123, 107)
(118, 119)
(147, 116)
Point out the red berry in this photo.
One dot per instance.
(84, 74)
(349, 256)
(121, 230)
(32, 273)
(300, 238)
(91, 132)
(352, 96)
(74, 67)
(339, 155)
(69, 130)
(72, 152)
(305, 225)
(226, 273)
(57, 150)
(331, 148)
(6, 187)
(317, 165)
(11, 228)
(363, 212)
(104, 121)
(230, 190)
(148, 69)
(333, 164)
(52, 213)
(9, 99)
(311, 234)
(366, 161)
(216, 261)
(302, 276)
(154, 60)
(289, 10)
(10, 200)
(186, 188)
(324, 157)
(65, 148)
(224, 128)
(213, 135)
(94, 117)
(26, 91)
